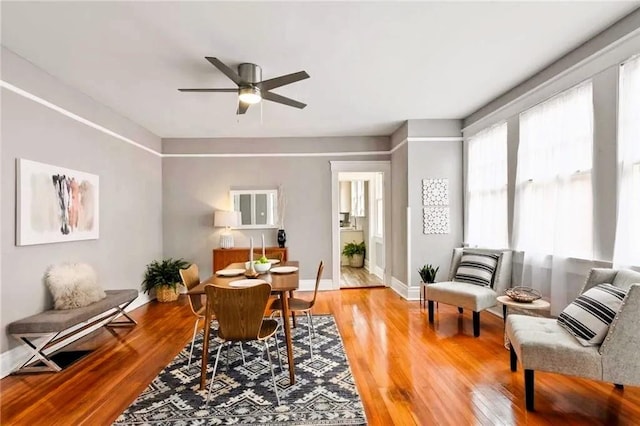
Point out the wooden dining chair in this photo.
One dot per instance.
(304, 306)
(240, 315)
(191, 278)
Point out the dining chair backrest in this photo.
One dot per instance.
(269, 254)
(239, 310)
(190, 278)
(318, 278)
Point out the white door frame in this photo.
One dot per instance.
(383, 167)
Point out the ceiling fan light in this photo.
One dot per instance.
(249, 95)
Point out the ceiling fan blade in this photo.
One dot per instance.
(233, 76)
(273, 97)
(283, 80)
(210, 90)
(242, 107)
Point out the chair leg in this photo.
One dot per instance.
(476, 324)
(193, 341)
(313, 329)
(430, 309)
(275, 336)
(273, 376)
(280, 324)
(528, 389)
(213, 375)
(227, 353)
(514, 358)
(618, 386)
(460, 310)
(242, 353)
(309, 327)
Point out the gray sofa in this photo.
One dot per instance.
(470, 296)
(541, 344)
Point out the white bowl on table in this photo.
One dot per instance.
(259, 267)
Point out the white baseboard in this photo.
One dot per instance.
(378, 272)
(408, 293)
(414, 293)
(13, 358)
(309, 285)
(366, 264)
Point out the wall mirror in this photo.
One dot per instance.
(257, 207)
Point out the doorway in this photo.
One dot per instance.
(360, 220)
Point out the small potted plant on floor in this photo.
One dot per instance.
(428, 274)
(164, 277)
(355, 252)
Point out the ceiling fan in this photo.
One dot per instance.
(251, 88)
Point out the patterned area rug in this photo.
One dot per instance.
(324, 392)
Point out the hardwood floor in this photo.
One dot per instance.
(358, 278)
(407, 372)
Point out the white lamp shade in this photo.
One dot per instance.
(224, 218)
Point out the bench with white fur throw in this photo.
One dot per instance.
(52, 324)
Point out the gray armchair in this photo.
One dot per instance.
(470, 296)
(541, 344)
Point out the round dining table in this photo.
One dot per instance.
(282, 284)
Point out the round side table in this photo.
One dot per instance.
(538, 305)
(506, 301)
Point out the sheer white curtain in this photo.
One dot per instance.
(487, 188)
(553, 214)
(627, 246)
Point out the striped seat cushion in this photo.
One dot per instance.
(589, 316)
(477, 268)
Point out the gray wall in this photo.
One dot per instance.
(194, 187)
(399, 203)
(434, 159)
(130, 189)
(400, 135)
(434, 128)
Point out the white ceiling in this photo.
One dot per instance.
(372, 65)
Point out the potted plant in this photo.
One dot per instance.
(164, 277)
(428, 273)
(355, 252)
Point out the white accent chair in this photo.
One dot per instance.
(541, 344)
(470, 296)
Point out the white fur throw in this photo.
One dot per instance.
(73, 285)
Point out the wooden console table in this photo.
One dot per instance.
(223, 257)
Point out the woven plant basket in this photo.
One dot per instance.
(166, 294)
(356, 261)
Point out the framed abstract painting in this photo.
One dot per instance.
(55, 204)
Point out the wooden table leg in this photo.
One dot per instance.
(293, 314)
(205, 352)
(287, 334)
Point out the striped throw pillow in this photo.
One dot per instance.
(477, 268)
(589, 316)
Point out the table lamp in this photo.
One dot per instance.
(226, 219)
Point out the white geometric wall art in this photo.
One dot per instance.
(435, 220)
(435, 192)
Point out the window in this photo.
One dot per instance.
(357, 198)
(553, 206)
(626, 251)
(257, 207)
(487, 188)
(378, 206)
